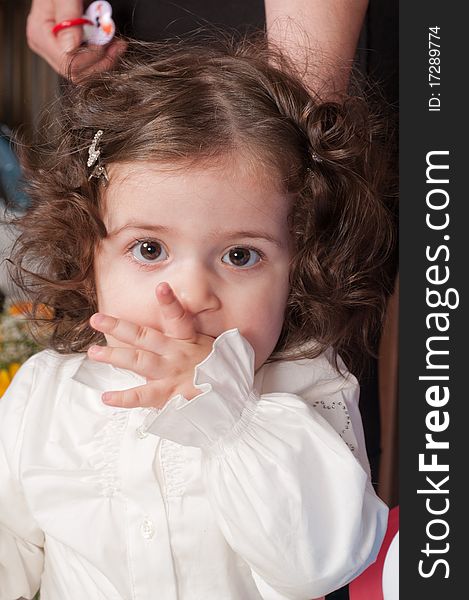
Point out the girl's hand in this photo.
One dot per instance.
(166, 360)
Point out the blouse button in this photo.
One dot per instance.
(147, 529)
(141, 432)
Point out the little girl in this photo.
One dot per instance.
(199, 436)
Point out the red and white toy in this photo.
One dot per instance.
(102, 27)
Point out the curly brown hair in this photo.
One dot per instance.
(186, 105)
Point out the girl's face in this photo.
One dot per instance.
(218, 236)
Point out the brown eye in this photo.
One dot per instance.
(149, 251)
(241, 257)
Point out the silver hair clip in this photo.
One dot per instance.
(93, 157)
(93, 152)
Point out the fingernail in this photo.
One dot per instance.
(96, 350)
(98, 319)
(107, 397)
(164, 289)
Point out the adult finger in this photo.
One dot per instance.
(44, 43)
(177, 322)
(144, 363)
(137, 336)
(70, 38)
(95, 59)
(84, 61)
(44, 14)
(152, 394)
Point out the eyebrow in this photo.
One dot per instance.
(255, 235)
(230, 235)
(140, 226)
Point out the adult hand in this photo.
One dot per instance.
(166, 359)
(56, 49)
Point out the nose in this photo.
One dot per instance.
(196, 288)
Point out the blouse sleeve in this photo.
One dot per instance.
(287, 492)
(21, 541)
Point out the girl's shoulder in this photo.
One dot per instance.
(31, 396)
(308, 373)
(43, 369)
(49, 360)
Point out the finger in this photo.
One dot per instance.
(42, 41)
(40, 22)
(177, 322)
(96, 58)
(84, 60)
(142, 362)
(151, 394)
(70, 38)
(138, 336)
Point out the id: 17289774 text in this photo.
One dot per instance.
(434, 68)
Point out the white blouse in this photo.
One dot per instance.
(258, 488)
